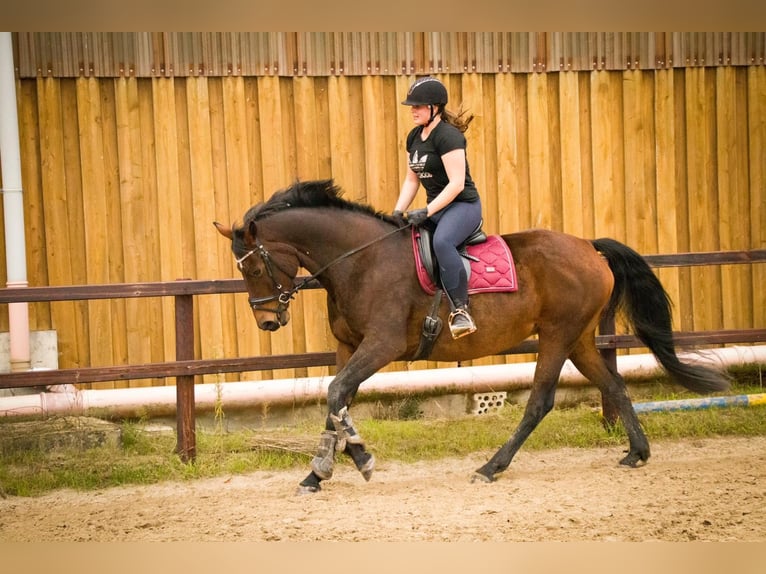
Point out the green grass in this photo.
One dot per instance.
(147, 457)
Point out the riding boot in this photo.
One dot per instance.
(460, 321)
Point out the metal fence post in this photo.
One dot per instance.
(186, 445)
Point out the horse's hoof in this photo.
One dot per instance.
(304, 489)
(367, 468)
(479, 477)
(633, 460)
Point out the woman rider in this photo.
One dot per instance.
(436, 158)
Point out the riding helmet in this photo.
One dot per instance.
(426, 91)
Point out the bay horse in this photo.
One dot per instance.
(376, 306)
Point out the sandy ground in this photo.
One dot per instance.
(702, 489)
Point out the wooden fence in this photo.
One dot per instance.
(124, 176)
(185, 367)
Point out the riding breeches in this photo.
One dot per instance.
(454, 224)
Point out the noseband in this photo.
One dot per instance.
(284, 295)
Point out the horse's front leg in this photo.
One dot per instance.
(340, 434)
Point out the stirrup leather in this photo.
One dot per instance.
(461, 331)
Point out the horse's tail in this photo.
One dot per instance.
(639, 293)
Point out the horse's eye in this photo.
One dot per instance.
(257, 272)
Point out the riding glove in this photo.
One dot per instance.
(417, 216)
(399, 217)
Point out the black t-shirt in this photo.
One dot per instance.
(425, 160)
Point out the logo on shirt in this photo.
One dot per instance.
(418, 165)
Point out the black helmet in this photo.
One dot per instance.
(426, 91)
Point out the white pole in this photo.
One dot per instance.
(13, 206)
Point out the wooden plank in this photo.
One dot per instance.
(573, 219)
(95, 218)
(115, 239)
(540, 163)
(203, 182)
(34, 205)
(733, 193)
(640, 169)
(275, 177)
(156, 121)
(238, 108)
(608, 166)
(668, 179)
(134, 218)
(756, 128)
(703, 194)
(201, 367)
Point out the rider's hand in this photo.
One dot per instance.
(417, 216)
(399, 217)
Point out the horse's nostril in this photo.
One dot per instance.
(270, 326)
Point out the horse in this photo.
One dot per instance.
(364, 260)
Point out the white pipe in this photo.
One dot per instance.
(13, 206)
(302, 391)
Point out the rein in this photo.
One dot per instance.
(285, 295)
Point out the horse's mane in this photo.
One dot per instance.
(321, 193)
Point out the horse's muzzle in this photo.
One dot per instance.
(273, 321)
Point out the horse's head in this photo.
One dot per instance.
(269, 275)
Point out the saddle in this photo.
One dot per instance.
(489, 267)
(487, 259)
(423, 237)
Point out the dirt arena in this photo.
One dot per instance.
(701, 489)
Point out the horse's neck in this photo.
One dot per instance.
(321, 238)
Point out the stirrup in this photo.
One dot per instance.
(458, 331)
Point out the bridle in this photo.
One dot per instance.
(284, 295)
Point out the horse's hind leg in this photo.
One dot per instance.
(541, 399)
(592, 365)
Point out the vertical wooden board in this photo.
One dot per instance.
(34, 205)
(491, 193)
(275, 177)
(161, 187)
(554, 152)
(523, 181)
(668, 180)
(703, 194)
(541, 188)
(571, 159)
(378, 181)
(347, 136)
(66, 315)
(640, 182)
(309, 123)
(480, 139)
(136, 221)
(608, 192)
(756, 128)
(507, 153)
(203, 201)
(296, 326)
(404, 124)
(586, 156)
(95, 211)
(116, 259)
(480, 152)
(733, 193)
(75, 213)
(237, 173)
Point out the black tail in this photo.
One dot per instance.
(647, 305)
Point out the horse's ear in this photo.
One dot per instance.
(223, 230)
(250, 233)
